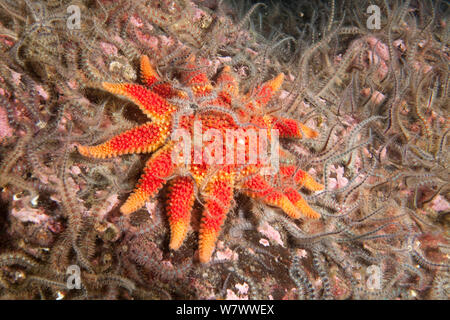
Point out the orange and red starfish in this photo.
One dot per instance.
(220, 107)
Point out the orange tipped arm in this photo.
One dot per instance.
(179, 207)
(258, 188)
(151, 79)
(152, 104)
(228, 85)
(296, 198)
(148, 73)
(158, 167)
(145, 138)
(218, 197)
(300, 178)
(266, 91)
(290, 128)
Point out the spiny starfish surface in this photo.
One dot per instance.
(223, 108)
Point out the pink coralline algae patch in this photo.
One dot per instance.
(440, 204)
(137, 22)
(376, 97)
(30, 215)
(241, 295)
(422, 66)
(108, 48)
(151, 207)
(379, 48)
(5, 129)
(340, 181)
(268, 231)
(151, 41)
(376, 55)
(302, 253)
(225, 253)
(41, 91)
(242, 288)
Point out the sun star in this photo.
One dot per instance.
(223, 108)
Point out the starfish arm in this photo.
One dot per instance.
(258, 188)
(151, 79)
(266, 91)
(228, 85)
(151, 103)
(300, 177)
(179, 207)
(196, 79)
(144, 138)
(290, 128)
(296, 198)
(218, 196)
(148, 73)
(157, 168)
